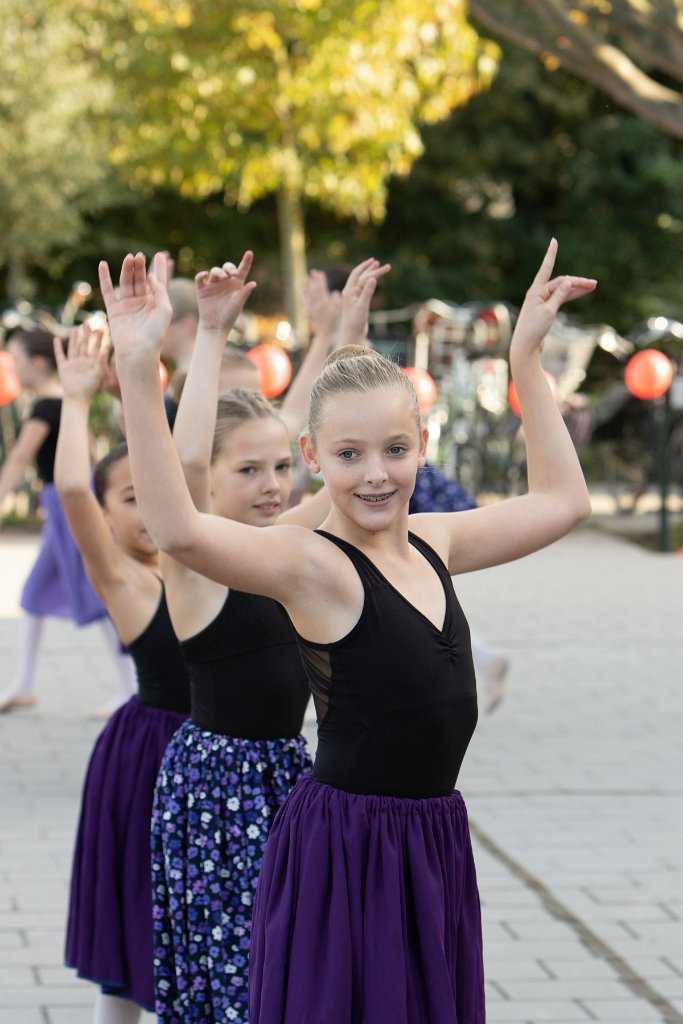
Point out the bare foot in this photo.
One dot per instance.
(13, 701)
(495, 690)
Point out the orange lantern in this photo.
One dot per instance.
(424, 386)
(10, 388)
(274, 367)
(648, 374)
(513, 400)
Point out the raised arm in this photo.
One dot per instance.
(271, 562)
(22, 454)
(557, 497)
(81, 370)
(356, 299)
(324, 311)
(221, 294)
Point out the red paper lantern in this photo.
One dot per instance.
(163, 376)
(513, 400)
(10, 388)
(274, 367)
(648, 374)
(424, 386)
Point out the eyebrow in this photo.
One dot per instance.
(392, 439)
(259, 462)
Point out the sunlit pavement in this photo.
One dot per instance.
(574, 787)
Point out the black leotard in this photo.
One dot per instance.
(246, 674)
(396, 698)
(47, 410)
(162, 675)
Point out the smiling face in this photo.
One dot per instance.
(123, 514)
(368, 448)
(252, 475)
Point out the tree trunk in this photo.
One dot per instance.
(293, 249)
(19, 285)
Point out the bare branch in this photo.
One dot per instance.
(549, 28)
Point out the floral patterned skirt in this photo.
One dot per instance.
(215, 801)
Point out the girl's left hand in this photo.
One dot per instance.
(541, 303)
(82, 368)
(322, 305)
(222, 292)
(140, 313)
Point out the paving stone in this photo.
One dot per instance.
(573, 787)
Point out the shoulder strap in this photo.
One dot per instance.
(430, 554)
(367, 571)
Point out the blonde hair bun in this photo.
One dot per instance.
(354, 368)
(350, 352)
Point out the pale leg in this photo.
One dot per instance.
(112, 1010)
(21, 691)
(125, 671)
(491, 670)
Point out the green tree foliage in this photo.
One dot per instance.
(540, 153)
(314, 100)
(52, 161)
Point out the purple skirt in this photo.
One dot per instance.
(109, 932)
(57, 583)
(367, 912)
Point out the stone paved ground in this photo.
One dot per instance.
(574, 787)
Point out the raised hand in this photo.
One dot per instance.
(324, 307)
(222, 292)
(82, 368)
(356, 298)
(170, 265)
(542, 301)
(140, 313)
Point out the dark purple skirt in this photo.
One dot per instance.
(367, 912)
(109, 933)
(57, 583)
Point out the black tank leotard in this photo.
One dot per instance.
(246, 674)
(396, 698)
(163, 680)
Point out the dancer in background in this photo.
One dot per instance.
(57, 584)
(367, 907)
(109, 933)
(227, 770)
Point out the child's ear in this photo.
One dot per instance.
(424, 438)
(308, 453)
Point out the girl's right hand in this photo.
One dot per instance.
(222, 292)
(140, 313)
(81, 370)
(356, 298)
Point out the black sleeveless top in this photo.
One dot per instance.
(48, 410)
(246, 674)
(162, 676)
(396, 697)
